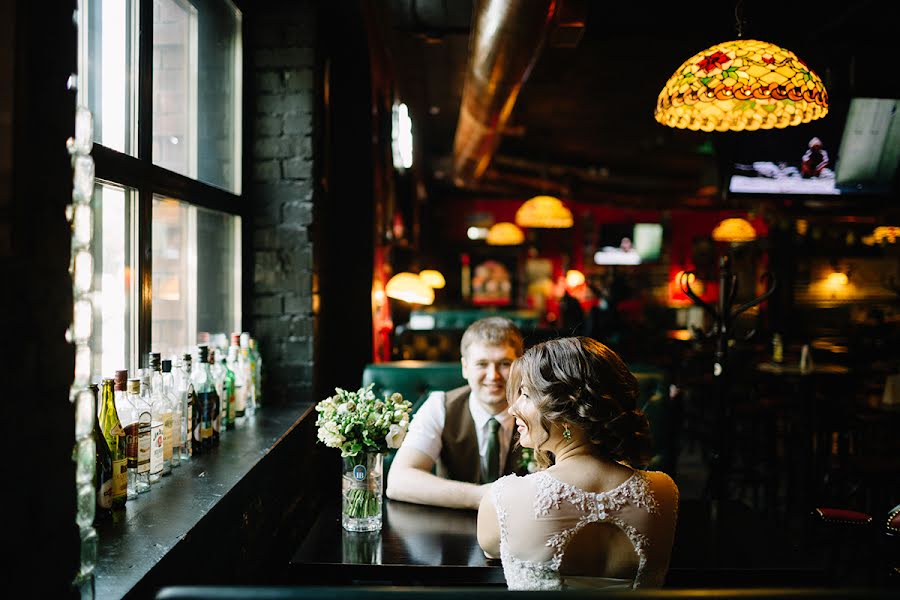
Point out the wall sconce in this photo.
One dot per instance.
(409, 287)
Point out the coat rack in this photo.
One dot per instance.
(723, 316)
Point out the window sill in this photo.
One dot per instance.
(137, 538)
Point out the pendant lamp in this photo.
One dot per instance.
(505, 234)
(409, 287)
(545, 212)
(433, 278)
(734, 230)
(741, 85)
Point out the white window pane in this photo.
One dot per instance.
(174, 267)
(197, 90)
(115, 281)
(107, 64)
(196, 275)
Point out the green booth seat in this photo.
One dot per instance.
(414, 379)
(663, 413)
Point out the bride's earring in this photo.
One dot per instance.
(567, 435)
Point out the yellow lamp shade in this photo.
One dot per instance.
(409, 287)
(742, 84)
(734, 230)
(433, 279)
(505, 234)
(544, 212)
(886, 233)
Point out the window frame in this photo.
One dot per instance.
(140, 173)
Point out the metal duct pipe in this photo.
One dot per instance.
(507, 39)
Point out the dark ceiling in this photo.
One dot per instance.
(582, 124)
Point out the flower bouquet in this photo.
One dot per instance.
(363, 427)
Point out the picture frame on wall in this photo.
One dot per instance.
(493, 281)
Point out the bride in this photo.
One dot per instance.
(590, 519)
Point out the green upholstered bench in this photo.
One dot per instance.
(414, 379)
(663, 414)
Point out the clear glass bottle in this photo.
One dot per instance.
(205, 393)
(240, 390)
(162, 410)
(114, 437)
(170, 393)
(187, 398)
(246, 367)
(256, 360)
(156, 430)
(138, 430)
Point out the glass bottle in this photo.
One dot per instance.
(114, 437)
(226, 393)
(170, 393)
(216, 404)
(240, 390)
(103, 469)
(162, 410)
(138, 428)
(156, 430)
(187, 398)
(247, 366)
(205, 393)
(256, 359)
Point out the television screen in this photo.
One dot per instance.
(629, 243)
(857, 155)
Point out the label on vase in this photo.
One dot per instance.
(359, 472)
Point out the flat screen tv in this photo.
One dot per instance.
(856, 155)
(629, 243)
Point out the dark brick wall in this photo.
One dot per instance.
(280, 54)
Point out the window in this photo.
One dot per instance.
(166, 211)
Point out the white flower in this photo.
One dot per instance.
(395, 436)
(532, 466)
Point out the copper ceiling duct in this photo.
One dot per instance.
(507, 39)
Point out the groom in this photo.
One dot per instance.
(465, 435)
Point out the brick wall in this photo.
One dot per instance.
(279, 50)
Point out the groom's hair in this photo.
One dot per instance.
(493, 331)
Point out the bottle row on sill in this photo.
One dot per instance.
(148, 425)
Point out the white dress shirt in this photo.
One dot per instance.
(427, 425)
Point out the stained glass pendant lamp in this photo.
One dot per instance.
(742, 85)
(505, 234)
(409, 287)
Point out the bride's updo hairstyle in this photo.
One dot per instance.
(580, 381)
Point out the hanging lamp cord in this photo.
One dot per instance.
(738, 19)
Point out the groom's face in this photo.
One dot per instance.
(486, 367)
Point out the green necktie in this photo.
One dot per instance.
(493, 451)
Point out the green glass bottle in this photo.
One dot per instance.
(114, 436)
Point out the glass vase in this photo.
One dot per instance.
(361, 492)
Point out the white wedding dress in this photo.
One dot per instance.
(540, 516)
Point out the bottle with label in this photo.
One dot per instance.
(206, 397)
(188, 400)
(240, 390)
(162, 411)
(138, 426)
(170, 394)
(103, 469)
(156, 430)
(256, 360)
(216, 405)
(777, 348)
(114, 437)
